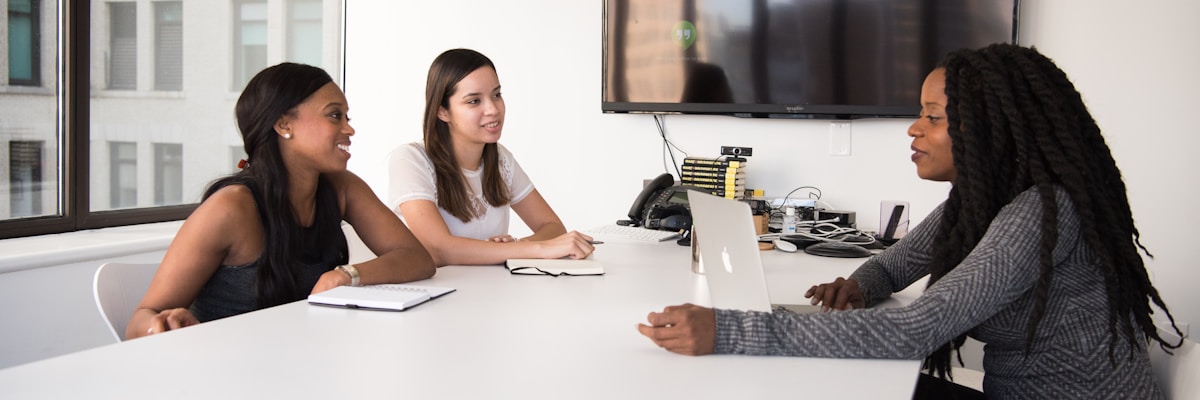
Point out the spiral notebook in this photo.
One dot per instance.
(392, 297)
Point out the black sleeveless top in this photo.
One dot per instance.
(232, 289)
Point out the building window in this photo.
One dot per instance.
(168, 174)
(25, 178)
(122, 46)
(168, 45)
(250, 45)
(24, 61)
(304, 31)
(123, 174)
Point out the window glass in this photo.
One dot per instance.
(153, 142)
(160, 92)
(29, 136)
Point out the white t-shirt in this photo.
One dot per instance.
(411, 177)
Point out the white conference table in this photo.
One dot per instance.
(497, 336)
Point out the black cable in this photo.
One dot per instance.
(785, 198)
(660, 121)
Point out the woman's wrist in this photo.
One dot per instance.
(352, 272)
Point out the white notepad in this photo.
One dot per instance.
(393, 297)
(554, 267)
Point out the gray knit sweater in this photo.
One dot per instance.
(988, 296)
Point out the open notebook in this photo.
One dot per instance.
(393, 297)
(554, 267)
(728, 247)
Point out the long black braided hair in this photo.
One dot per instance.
(1017, 122)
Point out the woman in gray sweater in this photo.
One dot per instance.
(1034, 252)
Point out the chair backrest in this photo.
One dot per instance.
(118, 288)
(1176, 374)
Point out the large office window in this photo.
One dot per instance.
(168, 173)
(25, 178)
(24, 63)
(151, 118)
(250, 47)
(168, 45)
(122, 45)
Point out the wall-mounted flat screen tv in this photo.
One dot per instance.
(833, 59)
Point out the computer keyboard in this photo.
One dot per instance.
(630, 233)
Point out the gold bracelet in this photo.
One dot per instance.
(350, 270)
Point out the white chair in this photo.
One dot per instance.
(1177, 374)
(118, 288)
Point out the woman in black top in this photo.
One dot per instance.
(271, 233)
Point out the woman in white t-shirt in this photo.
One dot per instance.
(455, 191)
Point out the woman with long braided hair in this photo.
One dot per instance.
(1034, 253)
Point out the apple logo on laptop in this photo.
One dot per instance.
(725, 258)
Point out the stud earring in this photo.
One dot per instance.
(287, 135)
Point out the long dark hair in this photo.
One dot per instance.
(1017, 122)
(271, 94)
(447, 70)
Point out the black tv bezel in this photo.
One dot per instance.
(742, 110)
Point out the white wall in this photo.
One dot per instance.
(50, 311)
(1134, 65)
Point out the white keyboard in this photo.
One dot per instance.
(636, 234)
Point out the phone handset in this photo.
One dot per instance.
(637, 210)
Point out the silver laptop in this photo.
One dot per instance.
(728, 246)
